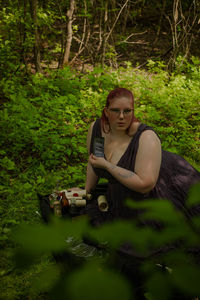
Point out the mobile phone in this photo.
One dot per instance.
(98, 147)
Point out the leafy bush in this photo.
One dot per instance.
(43, 136)
(168, 263)
(170, 105)
(44, 122)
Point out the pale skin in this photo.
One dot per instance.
(148, 159)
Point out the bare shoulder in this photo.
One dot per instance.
(91, 127)
(149, 137)
(133, 128)
(89, 135)
(149, 157)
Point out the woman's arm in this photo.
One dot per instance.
(147, 165)
(91, 177)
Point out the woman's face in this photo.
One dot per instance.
(119, 113)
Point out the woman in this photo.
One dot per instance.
(134, 163)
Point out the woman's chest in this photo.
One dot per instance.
(115, 150)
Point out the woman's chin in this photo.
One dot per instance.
(122, 126)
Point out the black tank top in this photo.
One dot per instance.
(175, 178)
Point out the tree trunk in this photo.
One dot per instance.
(69, 32)
(182, 25)
(104, 34)
(162, 13)
(33, 7)
(22, 31)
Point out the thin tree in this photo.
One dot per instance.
(69, 37)
(33, 10)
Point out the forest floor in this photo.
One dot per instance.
(144, 45)
(143, 41)
(141, 44)
(148, 40)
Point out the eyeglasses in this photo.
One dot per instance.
(117, 111)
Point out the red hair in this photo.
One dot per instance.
(116, 93)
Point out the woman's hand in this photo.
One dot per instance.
(98, 162)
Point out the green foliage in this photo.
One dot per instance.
(170, 104)
(43, 135)
(105, 284)
(44, 122)
(170, 272)
(17, 34)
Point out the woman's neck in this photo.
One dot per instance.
(116, 134)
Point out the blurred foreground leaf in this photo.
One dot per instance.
(46, 279)
(158, 284)
(194, 195)
(186, 278)
(36, 240)
(94, 281)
